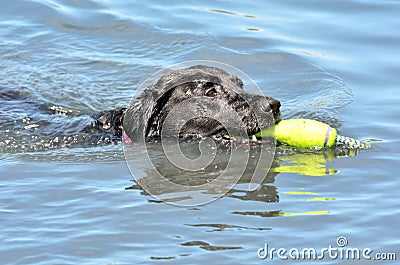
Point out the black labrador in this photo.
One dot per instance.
(207, 93)
(198, 101)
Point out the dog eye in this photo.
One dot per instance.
(211, 93)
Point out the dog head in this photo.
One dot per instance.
(199, 100)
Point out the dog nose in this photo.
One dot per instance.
(275, 105)
(271, 105)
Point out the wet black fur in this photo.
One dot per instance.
(145, 117)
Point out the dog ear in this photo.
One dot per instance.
(137, 115)
(156, 114)
(145, 112)
(133, 121)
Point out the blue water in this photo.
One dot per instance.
(337, 62)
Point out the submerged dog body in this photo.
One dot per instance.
(195, 102)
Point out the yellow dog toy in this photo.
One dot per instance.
(305, 133)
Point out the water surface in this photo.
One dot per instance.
(336, 62)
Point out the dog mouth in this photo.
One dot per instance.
(276, 114)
